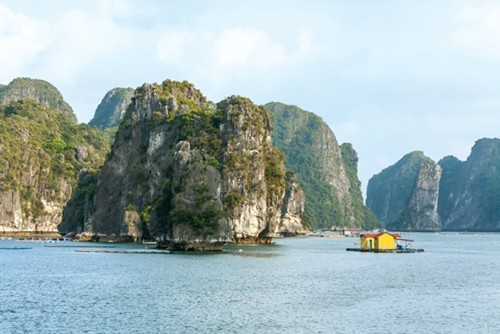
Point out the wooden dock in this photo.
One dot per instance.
(411, 250)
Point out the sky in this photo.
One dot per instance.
(388, 76)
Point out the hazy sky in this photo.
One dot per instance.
(388, 76)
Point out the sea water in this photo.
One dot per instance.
(297, 285)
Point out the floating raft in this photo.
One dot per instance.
(411, 250)
(124, 251)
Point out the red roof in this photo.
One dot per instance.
(368, 235)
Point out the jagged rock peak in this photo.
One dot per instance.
(111, 110)
(38, 90)
(389, 192)
(484, 147)
(421, 212)
(169, 97)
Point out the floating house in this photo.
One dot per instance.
(379, 241)
(384, 242)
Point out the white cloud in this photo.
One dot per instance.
(479, 30)
(247, 47)
(305, 43)
(21, 39)
(172, 47)
(115, 8)
(219, 57)
(63, 48)
(81, 39)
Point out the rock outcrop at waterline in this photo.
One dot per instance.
(192, 174)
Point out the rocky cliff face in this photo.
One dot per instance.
(418, 194)
(470, 190)
(292, 209)
(389, 192)
(41, 155)
(37, 90)
(192, 174)
(111, 110)
(328, 177)
(421, 211)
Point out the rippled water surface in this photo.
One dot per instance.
(307, 285)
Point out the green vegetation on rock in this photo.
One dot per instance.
(327, 173)
(37, 90)
(188, 169)
(364, 217)
(42, 155)
(110, 111)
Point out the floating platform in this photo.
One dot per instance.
(410, 250)
(14, 248)
(124, 251)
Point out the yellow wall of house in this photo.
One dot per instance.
(365, 243)
(385, 241)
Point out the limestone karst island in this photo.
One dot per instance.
(162, 163)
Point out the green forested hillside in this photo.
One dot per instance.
(326, 172)
(41, 155)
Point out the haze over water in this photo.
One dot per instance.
(306, 285)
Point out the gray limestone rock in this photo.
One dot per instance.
(198, 175)
(291, 223)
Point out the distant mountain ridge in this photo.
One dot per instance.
(452, 195)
